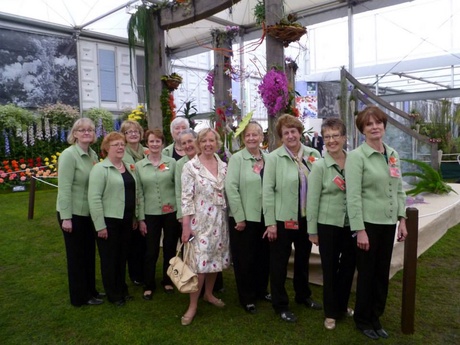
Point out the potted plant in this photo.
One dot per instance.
(172, 81)
(287, 29)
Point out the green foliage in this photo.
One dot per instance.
(429, 180)
(60, 114)
(259, 12)
(167, 114)
(12, 116)
(101, 116)
(190, 111)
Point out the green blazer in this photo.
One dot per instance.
(106, 193)
(244, 188)
(178, 184)
(74, 166)
(168, 150)
(326, 202)
(372, 194)
(280, 187)
(156, 186)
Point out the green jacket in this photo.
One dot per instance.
(326, 202)
(280, 187)
(74, 167)
(156, 186)
(178, 184)
(244, 188)
(372, 194)
(168, 150)
(106, 193)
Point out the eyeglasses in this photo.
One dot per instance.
(90, 130)
(332, 137)
(118, 145)
(132, 133)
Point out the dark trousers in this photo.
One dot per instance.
(136, 256)
(80, 246)
(280, 251)
(337, 249)
(251, 261)
(113, 252)
(373, 276)
(171, 233)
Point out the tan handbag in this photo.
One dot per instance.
(185, 280)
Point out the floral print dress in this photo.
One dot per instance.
(203, 199)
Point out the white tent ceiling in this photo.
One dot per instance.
(110, 17)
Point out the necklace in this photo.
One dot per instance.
(119, 167)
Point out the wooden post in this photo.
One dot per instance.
(409, 272)
(275, 57)
(31, 199)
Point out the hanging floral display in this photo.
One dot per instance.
(168, 112)
(274, 91)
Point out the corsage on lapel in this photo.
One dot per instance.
(132, 167)
(312, 159)
(163, 167)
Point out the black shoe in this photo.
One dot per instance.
(370, 333)
(94, 301)
(288, 316)
(128, 298)
(119, 303)
(382, 333)
(267, 297)
(100, 295)
(168, 291)
(148, 296)
(137, 282)
(250, 308)
(309, 303)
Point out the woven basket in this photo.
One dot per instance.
(285, 33)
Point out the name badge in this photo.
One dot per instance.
(291, 225)
(394, 172)
(340, 182)
(167, 209)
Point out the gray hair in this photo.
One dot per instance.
(177, 121)
(84, 121)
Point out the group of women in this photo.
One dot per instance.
(248, 213)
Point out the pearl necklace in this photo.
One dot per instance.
(120, 167)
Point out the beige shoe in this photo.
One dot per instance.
(186, 320)
(329, 323)
(217, 302)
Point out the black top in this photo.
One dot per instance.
(130, 192)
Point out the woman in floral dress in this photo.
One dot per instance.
(204, 216)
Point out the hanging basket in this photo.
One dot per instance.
(286, 33)
(172, 84)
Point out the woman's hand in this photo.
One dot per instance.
(135, 224)
(67, 225)
(103, 234)
(313, 239)
(240, 226)
(271, 233)
(363, 240)
(402, 230)
(143, 228)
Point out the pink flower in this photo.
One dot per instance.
(23, 178)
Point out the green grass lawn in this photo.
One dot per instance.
(34, 305)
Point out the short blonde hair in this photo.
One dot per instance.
(112, 136)
(202, 134)
(82, 122)
(127, 124)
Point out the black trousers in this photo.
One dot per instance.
(280, 251)
(80, 246)
(136, 256)
(251, 260)
(337, 249)
(113, 252)
(171, 233)
(373, 276)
